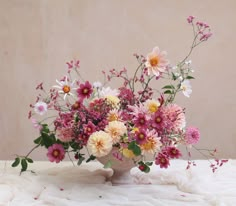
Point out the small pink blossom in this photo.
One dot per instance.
(56, 153)
(36, 124)
(190, 19)
(192, 135)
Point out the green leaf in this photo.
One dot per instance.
(16, 162)
(108, 164)
(147, 169)
(81, 159)
(190, 77)
(91, 158)
(48, 140)
(24, 165)
(45, 128)
(134, 148)
(149, 163)
(29, 160)
(168, 87)
(173, 76)
(167, 92)
(38, 140)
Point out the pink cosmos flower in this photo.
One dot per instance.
(162, 160)
(141, 136)
(173, 152)
(141, 120)
(89, 128)
(156, 62)
(85, 90)
(158, 121)
(56, 153)
(192, 135)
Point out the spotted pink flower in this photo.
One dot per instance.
(56, 153)
(89, 128)
(192, 135)
(85, 90)
(141, 136)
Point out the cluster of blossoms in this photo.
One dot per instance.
(137, 123)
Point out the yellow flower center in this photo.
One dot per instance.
(158, 119)
(152, 108)
(99, 144)
(112, 117)
(55, 153)
(154, 61)
(150, 145)
(141, 136)
(85, 90)
(66, 89)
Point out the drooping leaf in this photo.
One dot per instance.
(16, 162)
(24, 165)
(80, 160)
(91, 158)
(149, 163)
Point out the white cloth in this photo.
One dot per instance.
(63, 184)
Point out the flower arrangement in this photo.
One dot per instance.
(78, 116)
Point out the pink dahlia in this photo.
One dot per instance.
(192, 135)
(85, 90)
(141, 120)
(174, 116)
(162, 160)
(56, 153)
(65, 134)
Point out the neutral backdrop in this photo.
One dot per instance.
(37, 37)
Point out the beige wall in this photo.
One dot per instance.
(37, 37)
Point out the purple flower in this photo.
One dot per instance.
(56, 153)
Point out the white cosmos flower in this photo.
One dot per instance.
(65, 87)
(107, 91)
(97, 85)
(40, 108)
(186, 88)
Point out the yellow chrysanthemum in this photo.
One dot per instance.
(100, 143)
(128, 153)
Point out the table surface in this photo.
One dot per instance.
(65, 184)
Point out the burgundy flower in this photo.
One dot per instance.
(89, 128)
(162, 160)
(56, 153)
(140, 120)
(173, 152)
(85, 90)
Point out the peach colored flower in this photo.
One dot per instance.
(156, 62)
(100, 143)
(116, 129)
